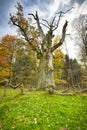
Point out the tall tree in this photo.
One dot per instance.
(40, 42)
(80, 26)
(24, 67)
(6, 53)
(72, 71)
(58, 63)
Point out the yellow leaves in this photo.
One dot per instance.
(34, 44)
(13, 127)
(58, 63)
(35, 34)
(59, 53)
(4, 73)
(35, 120)
(56, 40)
(23, 23)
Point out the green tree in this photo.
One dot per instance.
(58, 63)
(72, 71)
(24, 65)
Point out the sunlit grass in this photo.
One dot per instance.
(41, 111)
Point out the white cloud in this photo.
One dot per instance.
(83, 8)
(33, 9)
(74, 13)
(8, 30)
(55, 6)
(51, 9)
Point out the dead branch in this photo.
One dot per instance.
(46, 22)
(33, 15)
(82, 91)
(44, 25)
(15, 86)
(64, 91)
(68, 10)
(62, 39)
(64, 12)
(36, 17)
(65, 94)
(53, 21)
(57, 22)
(61, 13)
(53, 91)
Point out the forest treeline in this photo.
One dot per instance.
(19, 64)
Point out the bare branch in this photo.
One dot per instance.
(61, 13)
(15, 86)
(57, 22)
(32, 15)
(64, 12)
(67, 10)
(44, 25)
(46, 22)
(38, 24)
(53, 20)
(62, 39)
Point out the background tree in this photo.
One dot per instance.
(6, 54)
(72, 72)
(40, 42)
(24, 67)
(58, 63)
(4, 62)
(80, 26)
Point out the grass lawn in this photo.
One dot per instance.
(41, 111)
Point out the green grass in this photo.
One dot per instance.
(41, 111)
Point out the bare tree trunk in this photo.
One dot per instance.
(46, 73)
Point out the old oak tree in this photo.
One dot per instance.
(40, 42)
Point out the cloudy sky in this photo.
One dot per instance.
(46, 9)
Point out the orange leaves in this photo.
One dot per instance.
(34, 44)
(4, 52)
(7, 49)
(9, 42)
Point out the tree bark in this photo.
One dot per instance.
(46, 72)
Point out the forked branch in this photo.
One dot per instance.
(61, 13)
(15, 86)
(38, 23)
(62, 39)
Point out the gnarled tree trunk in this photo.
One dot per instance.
(46, 72)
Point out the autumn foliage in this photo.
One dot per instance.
(7, 50)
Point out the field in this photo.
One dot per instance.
(41, 111)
